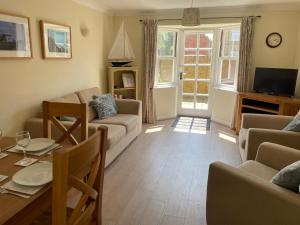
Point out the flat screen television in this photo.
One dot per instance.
(275, 81)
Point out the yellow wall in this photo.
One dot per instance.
(285, 23)
(24, 84)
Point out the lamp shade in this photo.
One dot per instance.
(191, 17)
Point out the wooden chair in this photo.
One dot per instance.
(81, 168)
(52, 110)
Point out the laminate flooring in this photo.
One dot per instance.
(160, 179)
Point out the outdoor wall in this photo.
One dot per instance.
(25, 83)
(284, 21)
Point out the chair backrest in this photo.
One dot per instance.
(53, 110)
(82, 168)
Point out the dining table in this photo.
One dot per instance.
(16, 210)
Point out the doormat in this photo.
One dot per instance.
(191, 122)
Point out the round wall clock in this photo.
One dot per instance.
(274, 40)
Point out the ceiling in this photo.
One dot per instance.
(148, 5)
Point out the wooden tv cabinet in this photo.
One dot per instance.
(264, 104)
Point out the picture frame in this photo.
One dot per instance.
(56, 40)
(15, 36)
(128, 80)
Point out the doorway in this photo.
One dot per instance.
(195, 73)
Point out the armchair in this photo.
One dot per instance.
(245, 195)
(259, 128)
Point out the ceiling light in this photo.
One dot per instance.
(191, 16)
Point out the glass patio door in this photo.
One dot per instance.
(195, 78)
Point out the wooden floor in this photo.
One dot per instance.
(160, 179)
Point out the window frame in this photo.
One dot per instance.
(221, 58)
(174, 58)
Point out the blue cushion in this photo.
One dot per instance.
(104, 106)
(109, 97)
(294, 125)
(289, 177)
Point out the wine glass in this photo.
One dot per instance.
(23, 140)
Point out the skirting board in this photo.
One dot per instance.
(228, 124)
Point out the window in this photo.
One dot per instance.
(229, 56)
(166, 57)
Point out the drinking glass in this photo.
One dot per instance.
(23, 140)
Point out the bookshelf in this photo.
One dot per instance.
(116, 84)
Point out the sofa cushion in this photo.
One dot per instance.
(127, 120)
(294, 125)
(258, 169)
(243, 135)
(289, 177)
(104, 105)
(70, 98)
(115, 133)
(86, 96)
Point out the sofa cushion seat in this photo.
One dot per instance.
(243, 135)
(114, 134)
(258, 169)
(127, 120)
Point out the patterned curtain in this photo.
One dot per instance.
(247, 31)
(246, 40)
(150, 43)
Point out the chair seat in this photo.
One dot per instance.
(129, 121)
(243, 135)
(258, 169)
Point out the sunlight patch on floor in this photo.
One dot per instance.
(227, 137)
(154, 129)
(191, 125)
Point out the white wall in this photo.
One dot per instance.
(165, 102)
(223, 103)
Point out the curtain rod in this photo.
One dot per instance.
(208, 18)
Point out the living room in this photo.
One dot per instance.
(175, 100)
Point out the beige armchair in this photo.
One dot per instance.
(245, 195)
(259, 128)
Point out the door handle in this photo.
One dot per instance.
(180, 75)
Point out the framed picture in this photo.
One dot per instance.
(128, 80)
(56, 40)
(15, 39)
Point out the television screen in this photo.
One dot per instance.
(275, 81)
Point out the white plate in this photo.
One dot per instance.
(35, 175)
(39, 144)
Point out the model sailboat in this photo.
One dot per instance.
(121, 52)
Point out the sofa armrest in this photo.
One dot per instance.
(257, 136)
(277, 156)
(129, 106)
(275, 122)
(235, 197)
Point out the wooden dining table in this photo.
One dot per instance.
(15, 210)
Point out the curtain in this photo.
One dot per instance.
(150, 43)
(246, 40)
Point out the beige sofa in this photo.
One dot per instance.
(122, 128)
(245, 195)
(259, 128)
